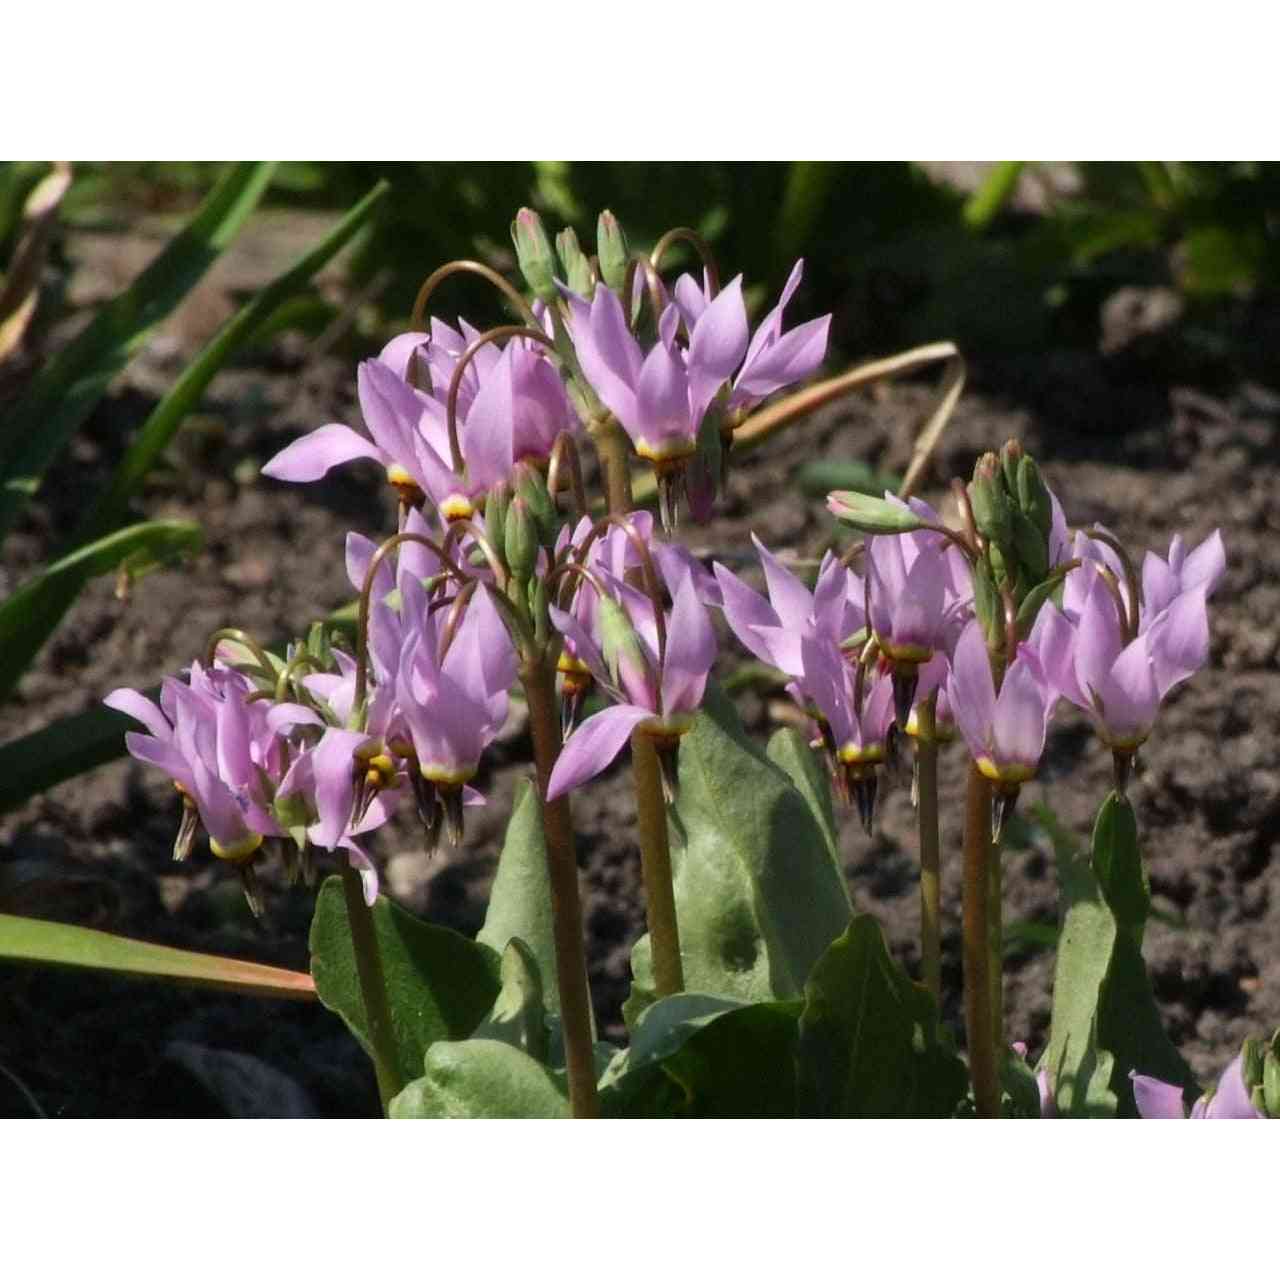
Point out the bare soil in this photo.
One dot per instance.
(1123, 440)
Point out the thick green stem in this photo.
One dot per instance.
(978, 1018)
(373, 987)
(611, 448)
(655, 864)
(566, 904)
(930, 857)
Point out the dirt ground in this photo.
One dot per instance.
(1124, 440)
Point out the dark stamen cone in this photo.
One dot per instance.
(1003, 803)
(570, 705)
(915, 782)
(864, 791)
(451, 805)
(306, 860)
(188, 824)
(252, 889)
(670, 491)
(905, 679)
(289, 856)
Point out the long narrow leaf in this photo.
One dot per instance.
(30, 613)
(75, 744)
(64, 749)
(62, 397)
(47, 605)
(159, 428)
(47, 942)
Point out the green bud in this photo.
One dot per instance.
(987, 605)
(871, 515)
(1032, 547)
(1033, 496)
(1002, 574)
(577, 269)
(531, 486)
(612, 251)
(1010, 459)
(620, 646)
(495, 513)
(1031, 605)
(992, 511)
(520, 540)
(534, 254)
(1251, 1062)
(291, 813)
(1271, 1079)
(319, 645)
(538, 608)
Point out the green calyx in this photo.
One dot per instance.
(577, 268)
(520, 540)
(531, 489)
(612, 251)
(535, 255)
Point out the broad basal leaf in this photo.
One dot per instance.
(440, 984)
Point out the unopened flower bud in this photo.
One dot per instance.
(577, 269)
(992, 514)
(1032, 546)
(1033, 495)
(621, 647)
(520, 540)
(1271, 1078)
(531, 486)
(534, 254)
(612, 251)
(495, 512)
(1011, 456)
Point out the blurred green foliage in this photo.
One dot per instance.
(904, 255)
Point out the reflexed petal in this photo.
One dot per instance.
(1098, 641)
(488, 437)
(691, 649)
(1053, 638)
(717, 344)
(131, 703)
(744, 611)
(592, 747)
(610, 356)
(1157, 1100)
(362, 863)
(662, 399)
(788, 595)
(792, 358)
(1020, 715)
(972, 690)
(1180, 639)
(397, 353)
(1206, 565)
(1131, 698)
(826, 682)
(332, 762)
(315, 453)
(1231, 1101)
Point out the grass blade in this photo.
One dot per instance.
(65, 393)
(29, 614)
(70, 945)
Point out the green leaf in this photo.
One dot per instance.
(869, 1037)
(695, 1055)
(872, 515)
(1105, 1020)
(791, 752)
(520, 900)
(55, 596)
(519, 1014)
(481, 1080)
(72, 383)
(25, 616)
(758, 893)
(46, 942)
(68, 747)
(822, 476)
(440, 985)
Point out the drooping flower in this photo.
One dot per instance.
(648, 686)
(1230, 1100)
(1004, 733)
(773, 359)
(773, 629)
(215, 743)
